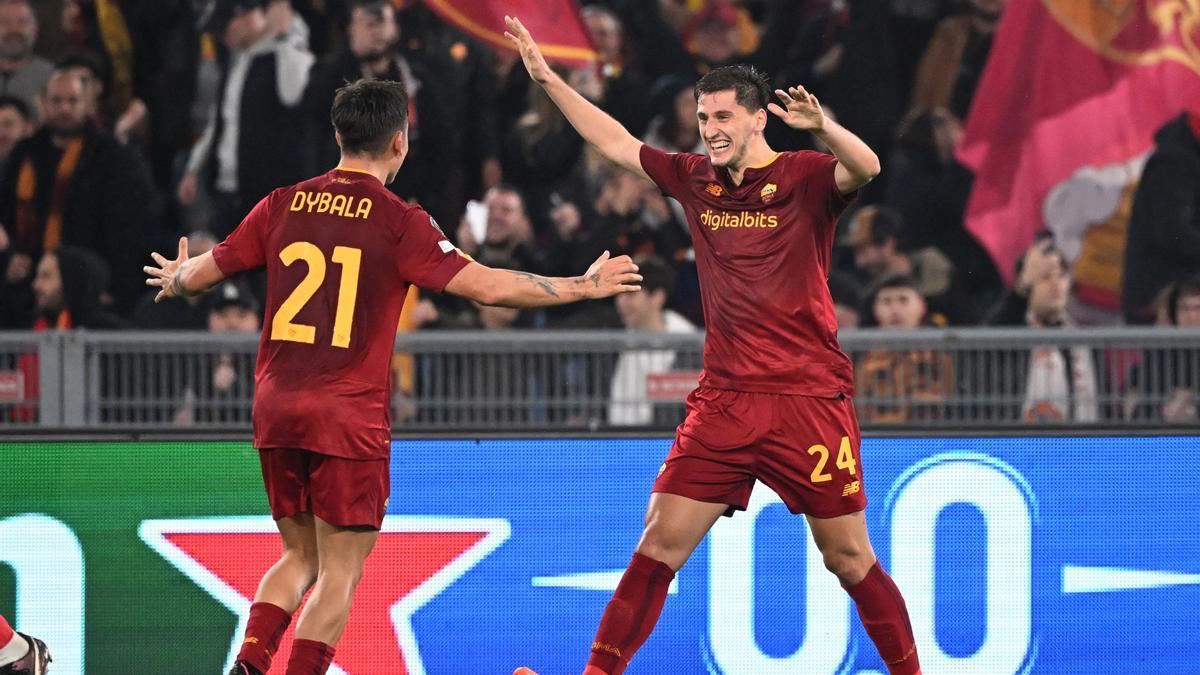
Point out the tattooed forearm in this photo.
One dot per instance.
(542, 282)
(178, 289)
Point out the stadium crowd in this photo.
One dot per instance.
(126, 123)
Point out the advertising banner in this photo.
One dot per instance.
(1015, 555)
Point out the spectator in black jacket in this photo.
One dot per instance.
(1165, 385)
(1164, 228)
(67, 290)
(72, 184)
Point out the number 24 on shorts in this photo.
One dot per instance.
(845, 460)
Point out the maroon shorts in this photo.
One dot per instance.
(804, 448)
(340, 491)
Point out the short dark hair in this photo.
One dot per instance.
(656, 274)
(1184, 288)
(751, 87)
(367, 113)
(18, 104)
(895, 281)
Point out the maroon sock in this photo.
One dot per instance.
(264, 630)
(631, 614)
(883, 614)
(309, 657)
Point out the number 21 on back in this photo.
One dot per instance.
(282, 327)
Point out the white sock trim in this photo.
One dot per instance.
(16, 648)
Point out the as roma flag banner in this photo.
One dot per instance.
(1063, 121)
(555, 24)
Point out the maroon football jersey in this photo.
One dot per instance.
(762, 253)
(340, 252)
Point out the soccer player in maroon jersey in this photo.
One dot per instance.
(340, 252)
(774, 398)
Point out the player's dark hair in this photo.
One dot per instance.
(656, 274)
(751, 87)
(22, 108)
(367, 114)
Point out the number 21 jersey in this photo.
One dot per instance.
(340, 252)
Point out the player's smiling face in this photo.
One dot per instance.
(727, 127)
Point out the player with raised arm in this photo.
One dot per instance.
(773, 402)
(340, 252)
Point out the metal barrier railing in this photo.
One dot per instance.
(526, 380)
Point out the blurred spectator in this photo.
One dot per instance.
(124, 119)
(507, 233)
(844, 56)
(22, 74)
(1055, 384)
(1164, 229)
(624, 84)
(73, 184)
(188, 313)
(249, 147)
(453, 134)
(646, 311)
(221, 386)
(1165, 385)
(674, 127)
(877, 235)
(897, 386)
(847, 299)
(930, 187)
(67, 290)
(105, 32)
(541, 152)
(16, 124)
(954, 59)
(371, 51)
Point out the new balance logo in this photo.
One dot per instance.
(850, 489)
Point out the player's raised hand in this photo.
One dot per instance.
(535, 63)
(610, 276)
(164, 275)
(800, 109)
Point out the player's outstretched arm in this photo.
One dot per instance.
(183, 276)
(511, 288)
(857, 163)
(596, 126)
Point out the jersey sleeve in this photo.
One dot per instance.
(427, 258)
(243, 250)
(669, 170)
(820, 187)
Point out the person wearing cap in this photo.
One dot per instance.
(875, 234)
(249, 147)
(219, 387)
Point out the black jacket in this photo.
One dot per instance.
(107, 208)
(1164, 228)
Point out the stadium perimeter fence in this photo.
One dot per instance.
(522, 381)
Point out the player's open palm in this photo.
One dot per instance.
(535, 63)
(800, 109)
(164, 274)
(610, 276)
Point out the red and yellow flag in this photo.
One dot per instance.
(555, 24)
(1063, 121)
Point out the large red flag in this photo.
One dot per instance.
(1064, 119)
(555, 24)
